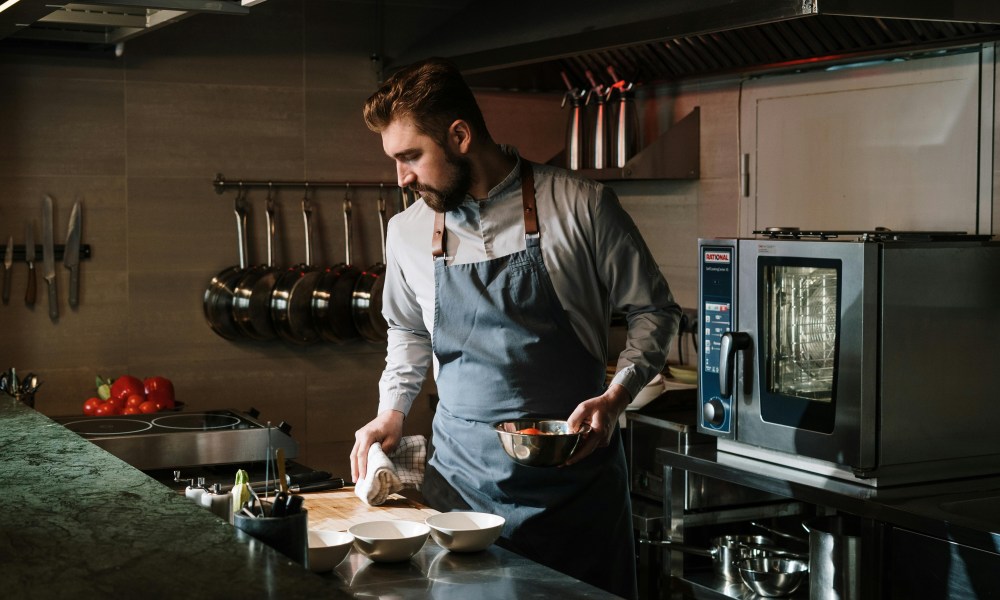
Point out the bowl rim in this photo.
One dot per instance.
(443, 515)
(348, 538)
(419, 529)
(499, 428)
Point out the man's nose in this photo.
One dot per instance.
(404, 176)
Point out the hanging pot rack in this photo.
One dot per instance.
(221, 183)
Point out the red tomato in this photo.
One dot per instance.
(117, 403)
(91, 405)
(102, 410)
(531, 431)
(134, 400)
(131, 410)
(162, 398)
(159, 384)
(125, 386)
(147, 407)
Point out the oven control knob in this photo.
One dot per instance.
(714, 412)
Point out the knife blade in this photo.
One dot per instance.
(49, 257)
(29, 257)
(8, 262)
(71, 254)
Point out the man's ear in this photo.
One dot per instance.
(460, 136)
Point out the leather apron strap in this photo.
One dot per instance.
(439, 239)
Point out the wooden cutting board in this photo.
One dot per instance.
(337, 510)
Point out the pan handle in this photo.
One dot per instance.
(347, 226)
(709, 552)
(381, 220)
(307, 219)
(269, 214)
(240, 208)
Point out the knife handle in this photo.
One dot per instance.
(53, 300)
(6, 284)
(74, 286)
(29, 295)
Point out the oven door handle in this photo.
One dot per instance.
(732, 341)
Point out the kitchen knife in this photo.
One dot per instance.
(332, 484)
(49, 257)
(29, 257)
(71, 254)
(292, 480)
(8, 262)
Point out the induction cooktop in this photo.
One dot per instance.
(180, 439)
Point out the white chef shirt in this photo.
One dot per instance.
(592, 251)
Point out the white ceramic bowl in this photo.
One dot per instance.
(327, 549)
(389, 541)
(465, 531)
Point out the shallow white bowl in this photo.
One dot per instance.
(327, 549)
(465, 531)
(389, 541)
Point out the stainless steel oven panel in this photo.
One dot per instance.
(939, 377)
(852, 439)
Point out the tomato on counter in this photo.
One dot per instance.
(130, 396)
(125, 386)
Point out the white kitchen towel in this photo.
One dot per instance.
(402, 469)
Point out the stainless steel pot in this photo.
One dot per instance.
(835, 554)
(726, 551)
(218, 299)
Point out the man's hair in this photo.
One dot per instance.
(432, 94)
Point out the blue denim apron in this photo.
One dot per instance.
(506, 350)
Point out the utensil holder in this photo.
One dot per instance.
(288, 535)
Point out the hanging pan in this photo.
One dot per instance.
(252, 297)
(331, 301)
(286, 313)
(366, 301)
(218, 299)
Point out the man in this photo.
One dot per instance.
(503, 277)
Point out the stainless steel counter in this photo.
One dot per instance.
(435, 573)
(964, 511)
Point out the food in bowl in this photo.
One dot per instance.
(465, 531)
(555, 443)
(327, 549)
(389, 541)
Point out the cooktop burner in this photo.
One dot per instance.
(160, 441)
(879, 234)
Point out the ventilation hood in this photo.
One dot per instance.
(60, 26)
(526, 44)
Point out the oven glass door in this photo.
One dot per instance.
(799, 314)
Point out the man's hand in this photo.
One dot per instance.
(386, 428)
(601, 413)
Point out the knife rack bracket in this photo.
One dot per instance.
(59, 250)
(221, 183)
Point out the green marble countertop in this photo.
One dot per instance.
(80, 523)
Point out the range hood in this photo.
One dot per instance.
(526, 44)
(41, 24)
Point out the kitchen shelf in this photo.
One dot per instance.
(674, 155)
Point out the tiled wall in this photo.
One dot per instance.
(275, 95)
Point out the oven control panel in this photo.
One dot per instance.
(716, 310)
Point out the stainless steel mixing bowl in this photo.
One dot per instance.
(548, 449)
(773, 577)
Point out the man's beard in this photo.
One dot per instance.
(455, 188)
